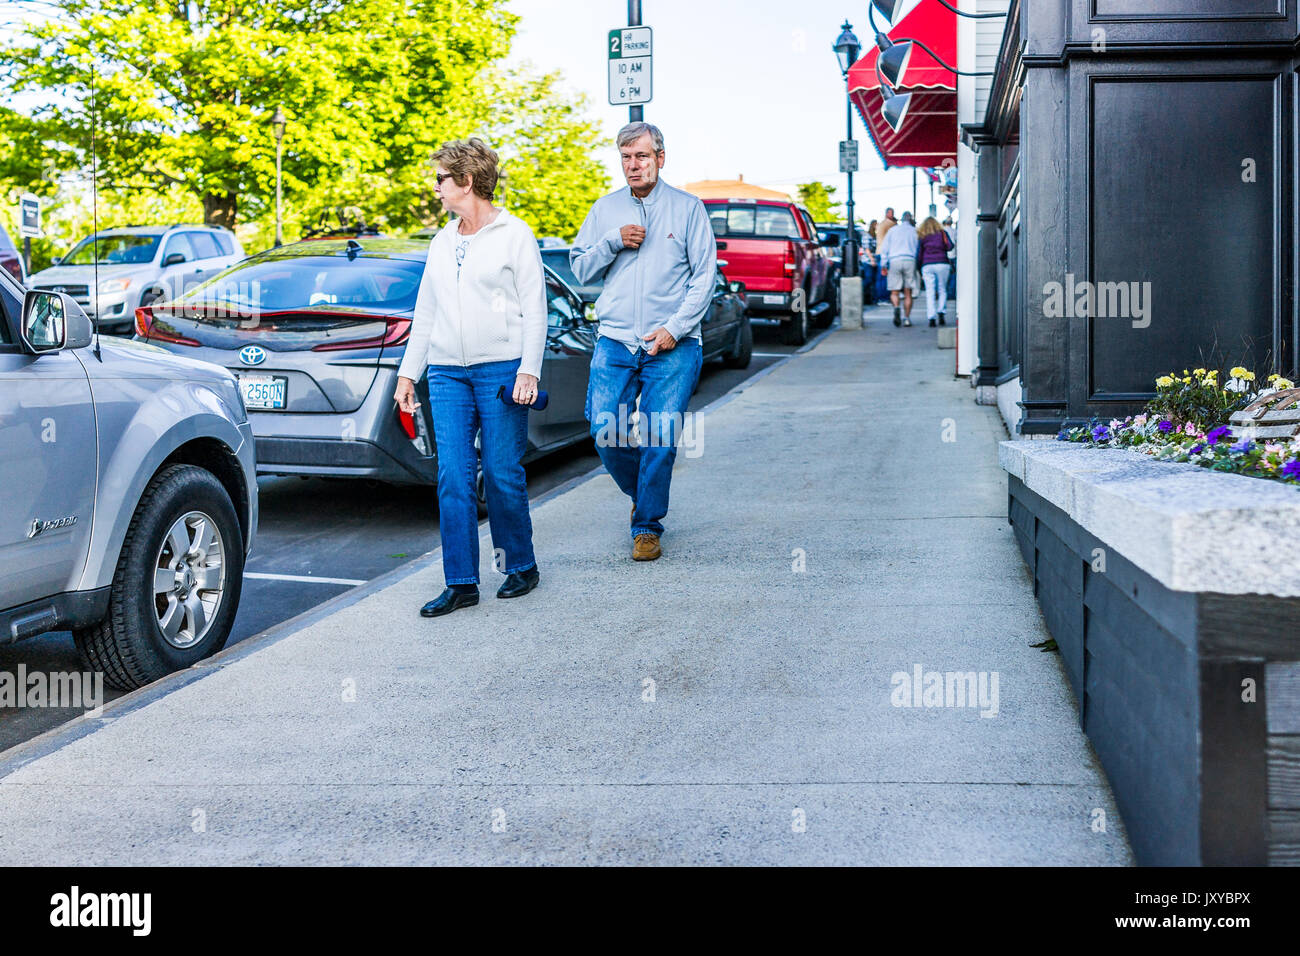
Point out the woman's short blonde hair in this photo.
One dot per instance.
(929, 227)
(470, 159)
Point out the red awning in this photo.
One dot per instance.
(928, 135)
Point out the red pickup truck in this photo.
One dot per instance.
(772, 247)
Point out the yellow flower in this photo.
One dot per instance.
(1238, 372)
(1199, 371)
(1249, 376)
(1283, 383)
(1164, 381)
(1211, 375)
(1274, 377)
(1187, 380)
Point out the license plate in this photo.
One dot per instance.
(263, 391)
(774, 299)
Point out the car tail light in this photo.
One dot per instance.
(789, 257)
(397, 332)
(146, 328)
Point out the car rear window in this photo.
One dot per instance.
(224, 243)
(761, 222)
(314, 293)
(113, 250)
(558, 260)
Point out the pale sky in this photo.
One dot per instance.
(748, 88)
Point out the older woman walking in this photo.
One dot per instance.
(479, 324)
(933, 250)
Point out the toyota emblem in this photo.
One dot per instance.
(252, 355)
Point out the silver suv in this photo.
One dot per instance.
(137, 266)
(129, 492)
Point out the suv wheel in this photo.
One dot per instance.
(177, 582)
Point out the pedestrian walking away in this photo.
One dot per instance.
(897, 253)
(653, 246)
(933, 248)
(479, 324)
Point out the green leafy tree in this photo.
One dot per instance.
(819, 198)
(185, 90)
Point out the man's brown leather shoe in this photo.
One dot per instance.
(646, 547)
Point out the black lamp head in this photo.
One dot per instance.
(847, 47)
(893, 61)
(894, 110)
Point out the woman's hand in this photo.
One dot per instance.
(405, 395)
(525, 389)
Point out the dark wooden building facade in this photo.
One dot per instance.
(1138, 201)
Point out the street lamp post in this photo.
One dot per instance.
(279, 122)
(846, 50)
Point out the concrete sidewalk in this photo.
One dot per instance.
(520, 731)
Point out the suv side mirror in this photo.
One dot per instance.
(56, 260)
(736, 287)
(174, 259)
(52, 321)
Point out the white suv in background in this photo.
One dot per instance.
(138, 265)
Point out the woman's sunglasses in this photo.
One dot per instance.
(441, 176)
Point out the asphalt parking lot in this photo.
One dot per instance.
(317, 538)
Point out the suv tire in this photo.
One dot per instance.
(129, 645)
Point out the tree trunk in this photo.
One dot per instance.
(219, 209)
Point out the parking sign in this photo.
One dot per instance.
(630, 65)
(848, 155)
(29, 219)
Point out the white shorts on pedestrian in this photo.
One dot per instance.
(902, 274)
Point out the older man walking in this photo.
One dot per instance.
(653, 247)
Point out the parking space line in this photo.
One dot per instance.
(304, 578)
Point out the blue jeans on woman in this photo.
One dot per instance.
(463, 401)
(665, 382)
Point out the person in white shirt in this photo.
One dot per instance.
(479, 325)
(897, 254)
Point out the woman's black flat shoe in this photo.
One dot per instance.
(448, 601)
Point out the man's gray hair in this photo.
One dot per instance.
(630, 133)
(907, 217)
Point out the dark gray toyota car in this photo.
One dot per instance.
(315, 332)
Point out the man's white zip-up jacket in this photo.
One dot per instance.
(493, 311)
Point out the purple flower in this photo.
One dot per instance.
(1166, 427)
(1217, 433)
(1243, 446)
(1292, 469)
(1100, 433)
(1196, 449)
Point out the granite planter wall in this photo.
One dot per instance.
(1173, 594)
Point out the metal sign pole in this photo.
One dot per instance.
(635, 114)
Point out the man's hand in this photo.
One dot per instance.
(660, 341)
(525, 389)
(633, 236)
(405, 395)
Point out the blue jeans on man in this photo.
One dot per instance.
(463, 401)
(665, 382)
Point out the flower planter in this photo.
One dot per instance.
(1173, 593)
